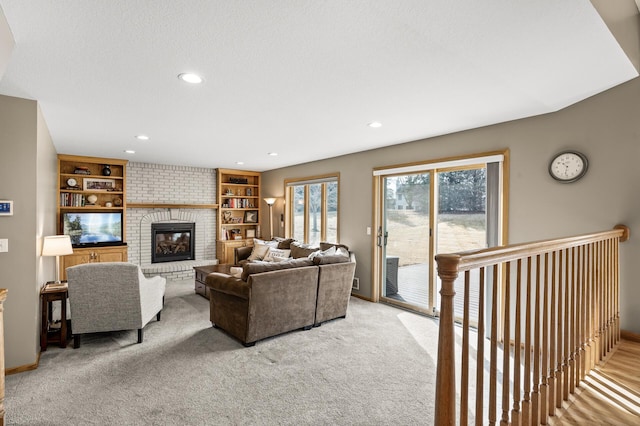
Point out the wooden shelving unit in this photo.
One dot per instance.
(239, 211)
(110, 193)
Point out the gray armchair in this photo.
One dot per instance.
(112, 296)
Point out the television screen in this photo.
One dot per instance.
(94, 228)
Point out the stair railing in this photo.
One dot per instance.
(554, 302)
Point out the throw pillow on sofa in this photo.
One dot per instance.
(325, 246)
(260, 249)
(273, 253)
(299, 250)
(283, 243)
(334, 254)
(330, 251)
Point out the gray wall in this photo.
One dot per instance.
(27, 171)
(605, 127)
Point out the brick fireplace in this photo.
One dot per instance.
(157, 184)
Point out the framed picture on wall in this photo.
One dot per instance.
(97, 184)
(251, 216)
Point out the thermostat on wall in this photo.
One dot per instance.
(6, 208)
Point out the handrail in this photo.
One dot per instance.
(472, 259)
(575, 277)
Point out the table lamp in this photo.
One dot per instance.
(270, 202)
(57, 245)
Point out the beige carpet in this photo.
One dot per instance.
(376, 367)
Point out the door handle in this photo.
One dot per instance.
(382, 238)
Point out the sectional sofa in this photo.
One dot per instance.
(271, 298)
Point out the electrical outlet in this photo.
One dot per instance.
(4, 245)
(356, 284)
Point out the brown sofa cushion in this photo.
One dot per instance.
(331, 258)
(258, 267)
(299, 250)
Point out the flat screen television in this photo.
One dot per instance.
(91, 229)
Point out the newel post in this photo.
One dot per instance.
(445, 413)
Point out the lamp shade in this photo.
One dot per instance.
(57, 245)
(270, 201)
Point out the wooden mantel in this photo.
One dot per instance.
(170, 206)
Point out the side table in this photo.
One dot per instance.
(49, 333)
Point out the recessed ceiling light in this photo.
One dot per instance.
(129, 151)
(190, 78)
(142, 137)
(239, 163)
(375, 124)
(273, 154)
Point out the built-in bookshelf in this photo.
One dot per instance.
(239, 212)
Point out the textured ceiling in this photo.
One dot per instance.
(301, 78)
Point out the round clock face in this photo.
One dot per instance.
(72, 182)
(568, 166)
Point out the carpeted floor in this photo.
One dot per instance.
(376, 367)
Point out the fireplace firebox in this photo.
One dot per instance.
(171, 242)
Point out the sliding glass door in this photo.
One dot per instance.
(446, 207)
(404, 239)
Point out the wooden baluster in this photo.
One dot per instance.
(572, 315)
(544, 373)
(567, 296)
(607, 315)
(583, 313)
(526, 404)
(480, 353)
(595, 301)
(593, 304)
(445, 374)
(617, 288)
(599, 302)
(612, 316)
(493, 369)
(515, 413)
(535, 397)
(573, 361)
(577, 321)
(588, 304)
(552, 339)
(464, 385)
(506, 346)
(560, 335)
(605, 302)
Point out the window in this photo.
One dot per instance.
(312, 208)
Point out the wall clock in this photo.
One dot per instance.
(568, 166)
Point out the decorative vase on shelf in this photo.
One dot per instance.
(106, 170)
(92, 199)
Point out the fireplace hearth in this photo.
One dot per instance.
(171, 242)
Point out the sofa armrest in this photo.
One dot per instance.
(242, 253)
(227, 284)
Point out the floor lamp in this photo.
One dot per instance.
(270, 202)
(57, 245)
